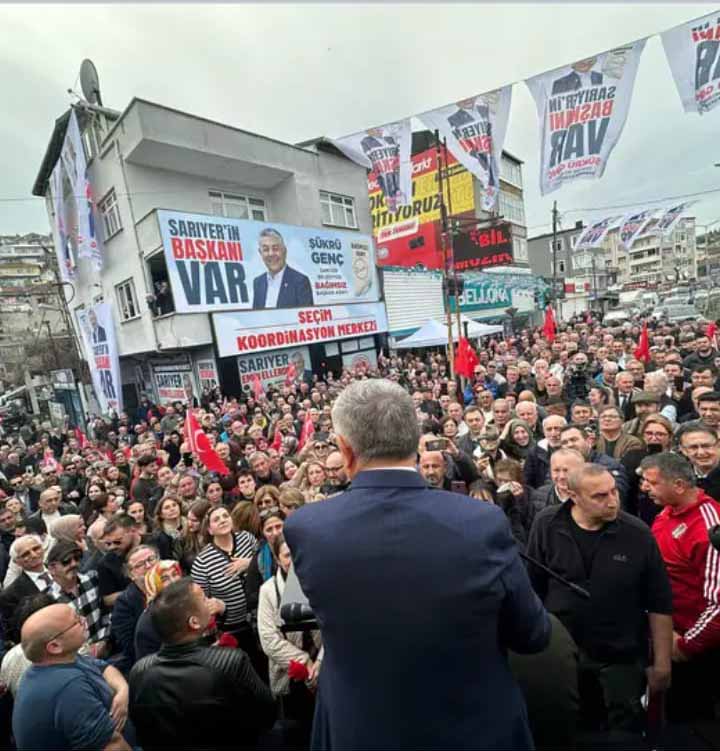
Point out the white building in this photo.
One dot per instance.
(151, 157)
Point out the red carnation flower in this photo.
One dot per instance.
(297, 671)
(227, 640)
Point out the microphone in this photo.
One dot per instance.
(714, 536)
(554, 575)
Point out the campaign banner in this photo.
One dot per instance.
(386, 151)
(241, 333)
(64, 250)
(582, 109)
(360, 360)
(474, 129)
(666, 223)
(174, 383)
(693, 54)
(633, 226)
(217, 263)
(272, 367)
(74, 164)
(410, 236)
(483, 248)
(593, 235)
(207, 374)
(97, 330)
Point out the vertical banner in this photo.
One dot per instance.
(475, 132)
(63, 247)
(593, 235)
(73, 161)
(582, 109)
(633, 226)
(693, 54)
(666, 223)
(98, 333)
(386, 151)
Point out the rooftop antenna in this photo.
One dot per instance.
(90, 83)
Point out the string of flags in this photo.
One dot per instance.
(582, 108)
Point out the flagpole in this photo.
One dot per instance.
(446, 261)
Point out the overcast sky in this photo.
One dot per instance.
(293, 72)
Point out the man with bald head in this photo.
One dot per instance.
(432, 469)
(65, 700)
(591, 542)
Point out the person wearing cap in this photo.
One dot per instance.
(79, 590)
(488, 452)
(645, 403)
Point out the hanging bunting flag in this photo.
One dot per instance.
(693, 54)
(633, 225)
(593, 235)
(671, 216)
(386, 151)
(475, 132)
(61, 236)
(582, 110)
(73, 161)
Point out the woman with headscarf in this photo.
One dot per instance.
(147, 640)
(517, 439)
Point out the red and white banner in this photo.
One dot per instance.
(475, 131)
(98, 334)
(386, 151)
(207, 374)
(255, 331)
(593, 236)
(200, 445)
(582, 109)
(633, 225)
(693, 54)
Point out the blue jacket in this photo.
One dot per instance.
(295, 290)
(418, 593)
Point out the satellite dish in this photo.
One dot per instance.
(90, 83)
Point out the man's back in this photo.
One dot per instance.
(191, 696)
(413, 589)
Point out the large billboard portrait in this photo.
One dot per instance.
(216, 263)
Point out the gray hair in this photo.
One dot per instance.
(610, 367)
(551, 417)
(23, 538)
(270, 232)
(578, 476)
(377, 418)
(671, 467)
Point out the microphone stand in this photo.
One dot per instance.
(554, 575)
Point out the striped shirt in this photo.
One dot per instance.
(208, 571)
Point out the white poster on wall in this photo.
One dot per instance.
(274, 368)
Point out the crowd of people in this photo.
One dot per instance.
(141, 592)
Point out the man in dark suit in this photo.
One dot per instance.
(97, 332)
(473, 112)
(281, 286)
(378, 147)
(581, 75)
(27, 552)
(419, 592)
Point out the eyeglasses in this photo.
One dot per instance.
(268, 512)
(68, 559)
(145, 563)
(654, 434)
(78, 620)
(699, 447)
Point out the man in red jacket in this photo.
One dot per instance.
(693, 565)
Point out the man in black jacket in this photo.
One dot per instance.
(536, 470)
(612, 555)
(185, 695)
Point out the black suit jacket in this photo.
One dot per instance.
(99, 335)
(295, 290)
(628, 411)
(10, 598)
(571, 82)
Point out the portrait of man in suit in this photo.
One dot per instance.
(581, 76)
(378, 147)
(97, 332)
(281, 286)
(475, 111)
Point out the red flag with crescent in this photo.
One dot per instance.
(200, 444)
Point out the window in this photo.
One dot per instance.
(512, 207)
(161, 302)
(511, 171)
(561, 267)
(235, 206)
(127, 301)
(93, 135)
(110, 212)
(337, 210)
(520, 248)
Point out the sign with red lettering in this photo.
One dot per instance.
(483, 248)
(239, 333)
(217, 263)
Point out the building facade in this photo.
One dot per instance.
(150, 158)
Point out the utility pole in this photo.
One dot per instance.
(447, 261)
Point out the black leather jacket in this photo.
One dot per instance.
(194, 697)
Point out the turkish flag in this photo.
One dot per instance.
(642, 351)
(277, 440)
(710, 331)
(550, 326)
(81, 437)
(307, 430)
(200, 444)
(465, 358)
(257, 387)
